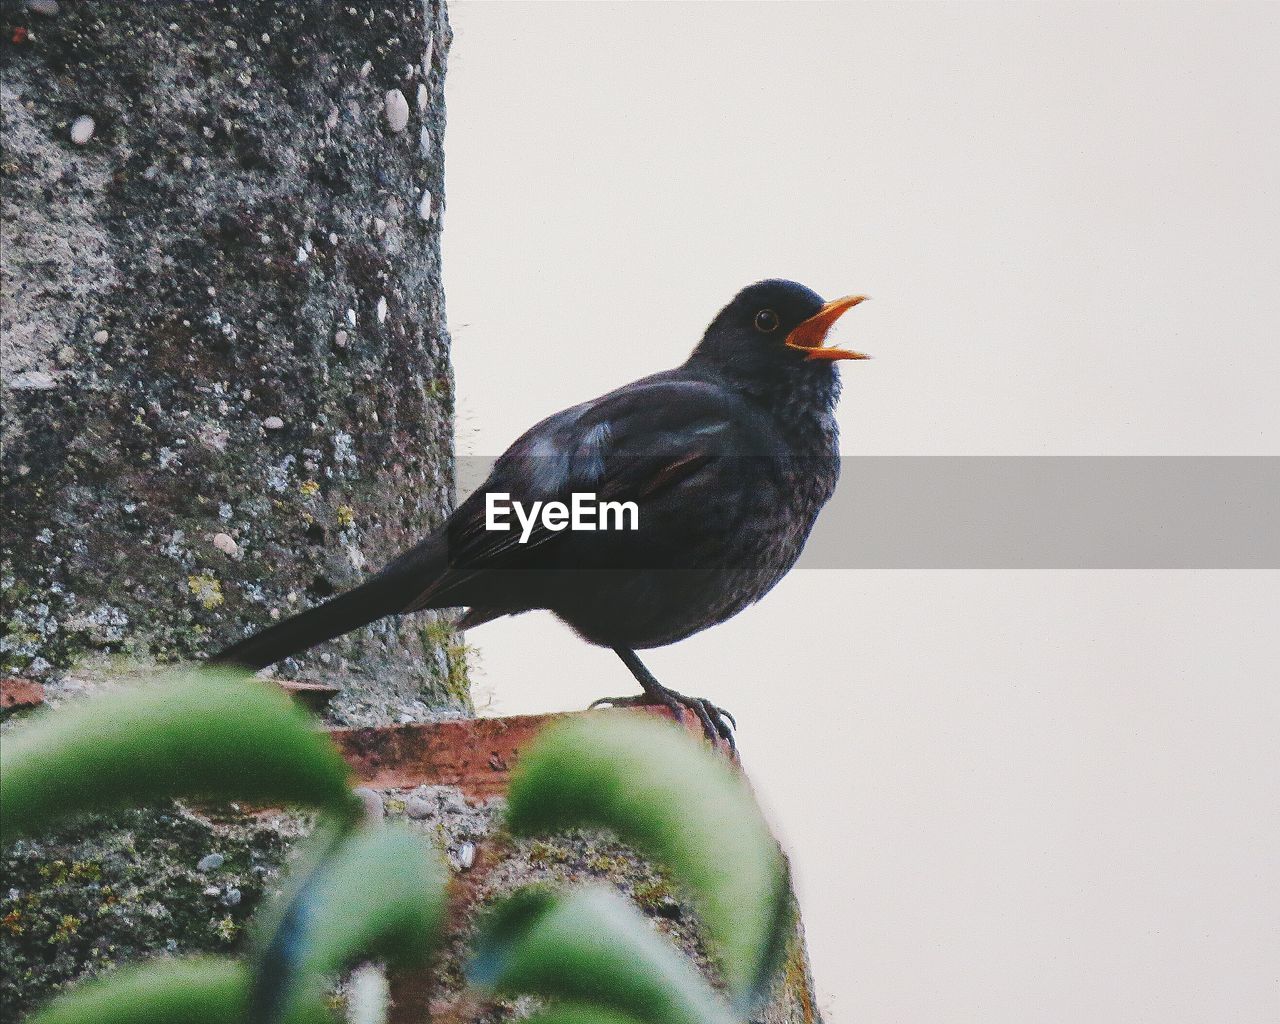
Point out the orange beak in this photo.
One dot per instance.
(810, 335)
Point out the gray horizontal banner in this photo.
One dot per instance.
(1050, 512)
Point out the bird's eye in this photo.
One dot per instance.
(766, 321)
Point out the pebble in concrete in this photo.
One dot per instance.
(210, 862)
(82, 129)
(418, 807)
(372, 800)
(225, 543)
(273, 423)
(33, 380)
(397, 108)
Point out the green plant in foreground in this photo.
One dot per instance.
(361, 893)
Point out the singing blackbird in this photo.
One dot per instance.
(728, 459)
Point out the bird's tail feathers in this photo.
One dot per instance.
(387, 593)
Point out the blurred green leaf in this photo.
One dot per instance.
(591, 947)
(670, 797)
(579, 1013)
(379, 894)
(167, 992)
(206, 735)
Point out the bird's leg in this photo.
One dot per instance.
(717, 723)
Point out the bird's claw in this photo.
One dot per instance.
(637, 700)
(717, 723)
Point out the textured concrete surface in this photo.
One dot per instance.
(169, 882)
(226, 384)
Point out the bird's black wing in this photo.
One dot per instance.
(677, 446)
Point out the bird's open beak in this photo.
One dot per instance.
(810, 335)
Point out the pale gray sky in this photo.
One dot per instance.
(1010, 796)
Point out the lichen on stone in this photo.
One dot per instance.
(206, 589)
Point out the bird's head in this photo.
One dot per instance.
(774, 326)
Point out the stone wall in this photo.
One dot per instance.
(226, 393)
(226, 389)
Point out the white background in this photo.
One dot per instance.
(1022, 796)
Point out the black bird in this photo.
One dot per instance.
(728, 458)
